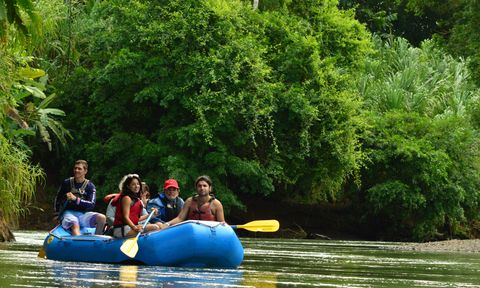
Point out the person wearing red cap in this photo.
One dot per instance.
(167, 203)
(203, 206)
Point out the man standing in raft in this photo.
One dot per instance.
(202, 206)
(75, 200)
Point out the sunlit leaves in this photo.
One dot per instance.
(242, 95)
(422, 80)
(422, 176)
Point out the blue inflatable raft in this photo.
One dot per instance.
(188, 244)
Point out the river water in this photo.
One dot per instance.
(267, 263)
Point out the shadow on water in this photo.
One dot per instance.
(268, 263)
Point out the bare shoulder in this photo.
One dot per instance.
(217, 203)
(126, 199)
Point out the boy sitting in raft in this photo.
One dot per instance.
(75, 201)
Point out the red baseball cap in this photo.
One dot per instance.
(170, 183)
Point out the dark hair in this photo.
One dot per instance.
(204, 178)
(126, 190)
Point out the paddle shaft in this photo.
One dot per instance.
(130, 246)
(146, 222)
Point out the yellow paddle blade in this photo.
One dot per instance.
(260, 226)
(41, 253)
(130, 247)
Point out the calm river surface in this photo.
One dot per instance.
(267, 263)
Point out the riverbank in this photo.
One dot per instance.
(320, 222)
(299, 222)
(467, 245)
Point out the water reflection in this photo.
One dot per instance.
(260, 280)
(268, 263)
(128, 276)
(74, 274)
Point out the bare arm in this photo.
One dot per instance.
(183, 213)
(126, 201)
(145, 216)
(218, 211)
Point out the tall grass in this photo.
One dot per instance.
(18, 179)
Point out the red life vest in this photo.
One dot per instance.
(202, 213)
(135, 212)
(109, 197)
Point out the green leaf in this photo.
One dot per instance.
(45, 102)
(52, 111)
(23, 132)
(3, 11)
(35, 91)
(31, 73)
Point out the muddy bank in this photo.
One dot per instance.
(467, 245)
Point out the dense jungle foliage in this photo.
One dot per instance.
(313, 101)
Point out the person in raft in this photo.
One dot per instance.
(111, 199)
(128, 209)
(203, 206)
(168, 203)
(75, 201)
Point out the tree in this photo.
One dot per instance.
(413, 20)
(11, 14)
(421, 179)
(24, 111)
(260, 100)
(464, 39)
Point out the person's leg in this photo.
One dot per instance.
(120, 232)
(129, 232)
(75, 229)
(100, 223)
(161, 225)
(151, 227)
(71, 222)
(93, 219)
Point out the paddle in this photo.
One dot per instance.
(130, 246)
(41, 253)
(259, 226)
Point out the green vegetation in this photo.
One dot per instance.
(421, 177)
(24, 109)
(296, 101)
(211, 87)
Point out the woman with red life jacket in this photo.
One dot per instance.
(111, 199)
(128, 209)
(202, 206)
